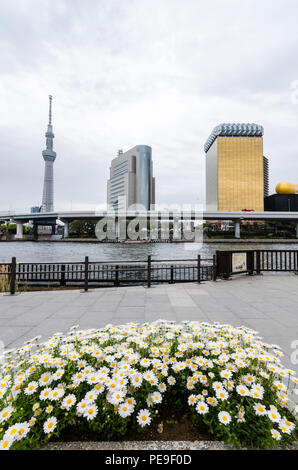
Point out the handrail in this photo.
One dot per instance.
(147, 271)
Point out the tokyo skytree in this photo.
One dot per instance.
(49, 157)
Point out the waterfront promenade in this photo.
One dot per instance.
(267, 304)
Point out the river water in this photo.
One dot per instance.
(76, 251)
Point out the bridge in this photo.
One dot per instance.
(50, 218)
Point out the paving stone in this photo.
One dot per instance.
(267, 304)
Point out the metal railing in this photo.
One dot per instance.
(147, 272)
(276, 260)
(257, 261)
(103, 273)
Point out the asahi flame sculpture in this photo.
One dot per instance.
(286, 188)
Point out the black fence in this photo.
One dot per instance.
(276, 260)
(255, 261)
(116, 273)
(15, 275)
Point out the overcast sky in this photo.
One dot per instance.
(127, 72)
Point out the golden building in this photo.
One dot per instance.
(235, 168)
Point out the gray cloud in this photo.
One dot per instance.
(140, 72)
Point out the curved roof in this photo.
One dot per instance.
(234, 130)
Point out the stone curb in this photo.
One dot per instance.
(147, 445)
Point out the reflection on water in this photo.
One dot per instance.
(76, 251)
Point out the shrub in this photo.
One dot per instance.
(116, 379)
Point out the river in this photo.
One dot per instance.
(76, 251)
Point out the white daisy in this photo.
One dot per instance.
(192, 400)
(125, 410)
(224, 417)
(31, 388)
(136, 380)
(171, 380)
(50, 425)
(6, 413)
(56, 393)
(116, 397)
(274, 415)
(143, 418)
(162, 387)
(90, 411)
(275, 434)
(242, 390)
(45, 394)
(6, 443)
(91, 395)
(217, 386)
(202, 407)
(157, 397)
(11, 432)
(23, 430)
(284, 428)
(226, 374)
(222, 394)
(58, 374)
(46, 379)
(260, 409)
(68, 402)
(81, 407)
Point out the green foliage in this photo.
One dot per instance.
(82, 229)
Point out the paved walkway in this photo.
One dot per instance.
(268, 304)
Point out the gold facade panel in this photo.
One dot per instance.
(240, 173)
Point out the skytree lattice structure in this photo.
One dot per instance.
(49, 157)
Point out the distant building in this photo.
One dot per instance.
(281, 203)
(35, 209)
(49, 157)
(236, 171)
(131, 179)
(266, 176)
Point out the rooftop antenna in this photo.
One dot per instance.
(50, 109)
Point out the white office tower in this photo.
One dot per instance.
(49, 157)
(131, 184)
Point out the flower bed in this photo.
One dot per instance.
(118, 379)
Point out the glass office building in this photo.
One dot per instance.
(131, 182)
(236, 171)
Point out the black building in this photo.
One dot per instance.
(281, 203)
